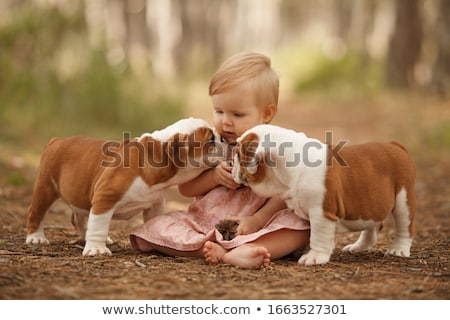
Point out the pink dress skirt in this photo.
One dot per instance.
(189, 230)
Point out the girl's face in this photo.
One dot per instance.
(236, 111)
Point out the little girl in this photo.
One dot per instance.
(244, 93)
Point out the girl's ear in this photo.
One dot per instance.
(269, 113)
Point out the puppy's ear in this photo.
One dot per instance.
(250, 153)
(201, 135)
(177, 147)
(155, 155)
(252, 167)
(202, 147)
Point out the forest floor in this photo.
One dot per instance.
(59, 271)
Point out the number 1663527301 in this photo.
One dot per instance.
(306, 309)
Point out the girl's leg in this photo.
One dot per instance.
(145, 246)
(254, 255)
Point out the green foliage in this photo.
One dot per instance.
(15, 178)
(438, 137)
(349, 74)
(53, 83)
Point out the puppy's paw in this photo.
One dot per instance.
(399, 252)
(400, 247)
(314, 257)
(95, 249)
(355, 247)
(109, 240)
(37, 238)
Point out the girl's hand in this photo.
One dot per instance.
(249, 224)
(222, 176)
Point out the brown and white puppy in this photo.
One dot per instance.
(354, 189)
(102, 179)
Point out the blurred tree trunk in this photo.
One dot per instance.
(116, 32)
(441, 68)
(192, 46)
(257, 25)
(217, 17)
(362, 20)
(136, 34)
(164, 26)
(405, 44)
(357, 24)
(344, 17)
(94, 14)
(204, 25)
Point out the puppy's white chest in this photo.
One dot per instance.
(300, 211)
(139, 196)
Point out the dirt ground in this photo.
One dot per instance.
(59, 271)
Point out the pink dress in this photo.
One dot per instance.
(189, 230)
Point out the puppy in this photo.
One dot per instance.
(102, 179)
(351, 189)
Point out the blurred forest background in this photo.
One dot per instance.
(102, 67)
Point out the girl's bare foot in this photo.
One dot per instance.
(248, 257)
(213, 252)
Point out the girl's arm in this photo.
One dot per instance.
(253, 223)
(208, 180)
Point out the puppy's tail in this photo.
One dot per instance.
(398, 144)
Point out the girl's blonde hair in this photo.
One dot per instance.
(253, 67)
